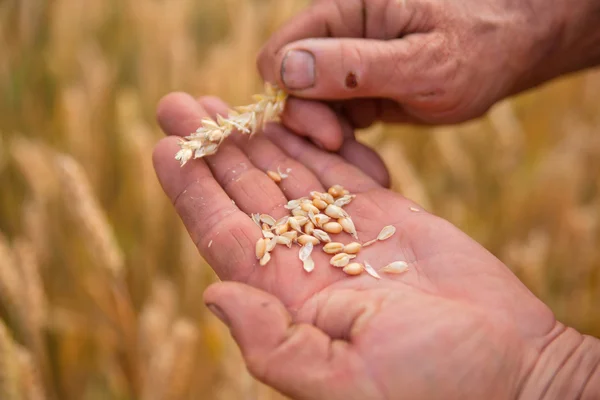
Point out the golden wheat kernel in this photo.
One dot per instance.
(268, 234)
(261, 248)
(321, 219)
(265, 259)
(336, 190)
(344, 201)
(345, 192)
(274, 176)
(292, 235)
(320, 204)
(282, 221)
(332, 227)
(281, 229)
(293, 222)
(341, 259)
(333, 248)
(315, 195)
(304, 239)
(327, 198)
(309, 228)
(353, 269)
(321, 235)
(301, 220)
(298, 212)
(292, 204)
(352, 248)
(309, 207)
(283, 240)
(348, 226)
(266, 227)
(397, 267)
(267, 219)
(334, 211)
(256, 219)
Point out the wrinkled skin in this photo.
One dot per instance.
(457, 325)
(414, 61)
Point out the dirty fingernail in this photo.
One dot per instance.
(298, 70)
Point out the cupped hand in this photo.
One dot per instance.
(458, 324)
(413, 61)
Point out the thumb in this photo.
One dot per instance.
(300, 360)
(338, 69)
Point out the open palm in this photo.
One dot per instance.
(454, 325)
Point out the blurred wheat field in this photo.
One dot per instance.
(100, 286)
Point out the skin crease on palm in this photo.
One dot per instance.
(457, 325)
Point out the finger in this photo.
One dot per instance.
(298, 360)
(363, 156)
(404, 70)
(330, 168)
(314, 120)
(224, 235)
(178, 114)
(267, 157)
(378, 19)
(362, 113)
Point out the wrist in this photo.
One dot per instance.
(564, 38)
(580, 41)
(568, 367)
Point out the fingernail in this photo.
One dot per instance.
(298, 70)
(216, 310)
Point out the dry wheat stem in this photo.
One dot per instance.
(9, 368)
(244, 119)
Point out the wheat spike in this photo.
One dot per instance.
(248, 119)
(10, 282)
(31, 382)
(89, 215)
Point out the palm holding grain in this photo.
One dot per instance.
(454, 295)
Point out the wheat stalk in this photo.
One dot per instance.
(9, 372)
(245, 119)
(89, 215)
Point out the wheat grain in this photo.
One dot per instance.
(353, 269)
(333, 248)
(274, 176)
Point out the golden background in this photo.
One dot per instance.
(100, 286)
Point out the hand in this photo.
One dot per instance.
(457, 324)
(421, 61)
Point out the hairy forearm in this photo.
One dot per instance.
(568, 367)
